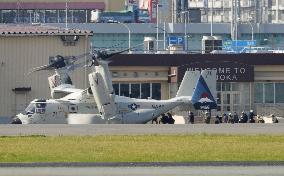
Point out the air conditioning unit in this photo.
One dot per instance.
(69, 40)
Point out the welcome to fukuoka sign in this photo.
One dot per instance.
(226, 71)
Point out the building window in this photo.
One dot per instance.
(218, 86)
(258, 92)
(124, 90)
(156, 91)
(79, 16)
(51, 16)
(116, 89)
(268, 93)
(135, 91)
(138, 90)
(235, 87)
(9, 16)
(145, 90)
(233, 96)
(279, 93)
(226, 86)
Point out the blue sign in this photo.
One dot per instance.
(175, 40)
(238, 46)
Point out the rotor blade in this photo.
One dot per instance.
(112, 54)
(44, 67)
(101, 54)
(128, 49)
(74, 58)
(75, 66)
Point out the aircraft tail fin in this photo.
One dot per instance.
(202, 98)
(188, 83)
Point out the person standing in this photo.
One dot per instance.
(236, 117)
(171, 120)
(230, 119)
(191, 117)
(207, 117)
(274, 119)
(225, 118)
(155, 120)
(244, 118)
(217, 119)
(251, 116)
(164, 119)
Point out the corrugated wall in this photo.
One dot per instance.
(19, 54)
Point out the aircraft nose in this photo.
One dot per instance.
(16, 121)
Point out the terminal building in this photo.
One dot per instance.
(245, 81)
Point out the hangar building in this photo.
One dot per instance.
(24, 47)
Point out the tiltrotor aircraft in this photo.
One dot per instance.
(98, 104)
(120, 109)
(60, 85)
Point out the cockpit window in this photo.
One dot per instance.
(40, 108)
(30, 109)
(40, 105)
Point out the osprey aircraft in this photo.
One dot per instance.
(99, 105)
(125, 110)
(60, 85)
(55, 110)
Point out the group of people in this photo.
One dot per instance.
(227, 118)
(164, 119)
(207, 117)
(244, 118)
(234, 118)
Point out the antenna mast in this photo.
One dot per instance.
(18, 11)
(66, 17)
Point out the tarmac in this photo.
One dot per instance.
(141, 129)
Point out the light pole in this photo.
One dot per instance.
(129, 34)
(211, 26)
(185, 28)
(165, 33)
(251, 30)
(157, 26)
(249, 22)
(237, 23)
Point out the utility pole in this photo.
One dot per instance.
(212, 2)
(157, 31)
(66, 15)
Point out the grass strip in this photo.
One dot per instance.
(142, 148)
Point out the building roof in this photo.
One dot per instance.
(52, 6)
(177, 60)
(38, 29)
